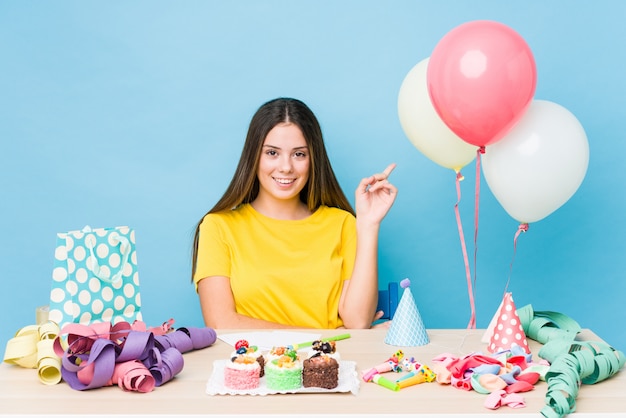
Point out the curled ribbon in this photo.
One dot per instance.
(134, 357)
(135, 360)
(169, 365)
(133, 376)
(572, 363)
(32, 347)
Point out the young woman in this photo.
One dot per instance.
(283, 247)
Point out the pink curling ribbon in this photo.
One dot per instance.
(133, 376)
(523, 227)
(160, 330)
(481, 150)
(391, 364)
(470, 290)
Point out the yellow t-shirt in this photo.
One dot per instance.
(284, 271)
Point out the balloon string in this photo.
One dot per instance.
(481, 150)
(523, 227)
(470, 291)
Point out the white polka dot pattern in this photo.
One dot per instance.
(95, 277)
(508, 330)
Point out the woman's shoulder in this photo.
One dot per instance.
(227, 216)
(336, 219)
(334, 212)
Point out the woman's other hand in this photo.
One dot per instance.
(384, 325)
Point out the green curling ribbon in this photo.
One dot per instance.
(572, 363)
(544, 326)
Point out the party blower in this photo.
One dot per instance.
(391, 364)
(421, 375)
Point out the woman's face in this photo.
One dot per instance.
(284, 163)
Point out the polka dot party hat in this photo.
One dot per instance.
(508, 330)
(407, 328)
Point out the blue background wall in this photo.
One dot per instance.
(134, 113)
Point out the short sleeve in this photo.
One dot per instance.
(348, 246)
(213, 255)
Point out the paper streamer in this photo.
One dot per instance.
(32, 348)
(133, 375)
(48, 364)
(585, 363)
(572, 363)
(104, 354)
(134, 357)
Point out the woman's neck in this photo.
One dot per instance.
(281, 209)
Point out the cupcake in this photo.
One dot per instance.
(321, 369)
(283, 369)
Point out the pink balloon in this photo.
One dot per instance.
(481, 79)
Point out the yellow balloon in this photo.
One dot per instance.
(423, 126)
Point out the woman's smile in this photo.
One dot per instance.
(284, 181)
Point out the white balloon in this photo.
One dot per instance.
(539, 164)
(423, 126)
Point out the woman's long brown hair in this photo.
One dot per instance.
(322, 187)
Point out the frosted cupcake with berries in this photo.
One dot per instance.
(243, 371)
(243, 347)
(283, 369)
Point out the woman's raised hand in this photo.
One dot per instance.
(374, 196)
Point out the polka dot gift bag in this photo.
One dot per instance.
(95, 277)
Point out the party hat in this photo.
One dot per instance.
(407, 328)
(508, 330)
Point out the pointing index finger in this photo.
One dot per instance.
(389, 169)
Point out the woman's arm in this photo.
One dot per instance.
(218, 307)
(374, 197)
